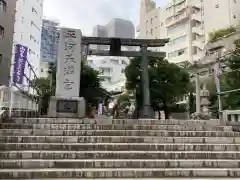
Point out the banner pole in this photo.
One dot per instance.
(11, 80)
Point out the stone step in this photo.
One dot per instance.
(112, 121)
(162, 133)
(119, 147)
(194, 127)
(205, 178)
(118, 139)
(117, 163)
(118, 173)
(119, 154)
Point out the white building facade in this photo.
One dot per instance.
(187, 23)
(27, 31)
(111, 71)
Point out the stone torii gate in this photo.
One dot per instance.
(66, 102)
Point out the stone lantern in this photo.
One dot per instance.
(204, 113)
(204, 100)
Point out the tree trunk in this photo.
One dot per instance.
(159, 114)
(165, 108)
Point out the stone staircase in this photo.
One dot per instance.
(118, 149)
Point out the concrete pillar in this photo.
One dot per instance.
(146, 110)
(190, 46)
(233, 118)
(198, 105)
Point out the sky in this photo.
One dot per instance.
(85, 14)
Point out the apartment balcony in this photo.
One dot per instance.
(200, 43)
(197, 17)
(196, 6)
(177, 46)
(179, 59)
(177, 34)
(106, 75)
(197, 57)
(177, 19)
(198, 30)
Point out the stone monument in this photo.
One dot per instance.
(203, 112)
(66, 102)
(204, 96)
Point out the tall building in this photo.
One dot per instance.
(111, 71)
(22, 20)
(27, 28)
(99, 31)
(120, 28)
(7, 18)
(49, 40)
(187, 23)
(115, 28)
(112, 68)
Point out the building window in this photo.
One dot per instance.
(176, 28)
(178, 40)
(151, 20)
(151, 31)
(3, 6)
(1, 32)
(177, 53)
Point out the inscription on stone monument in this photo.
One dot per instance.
(67, 106)
(69, 64)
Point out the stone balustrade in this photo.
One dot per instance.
(231, 116)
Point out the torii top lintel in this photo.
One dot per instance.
(125, 41)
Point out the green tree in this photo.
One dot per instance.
(123, 101)
(221, 32)
(230, 81)
(167, 82)
(44, 85)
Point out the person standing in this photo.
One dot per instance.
(100, 108)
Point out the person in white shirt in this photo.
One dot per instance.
(100, 106)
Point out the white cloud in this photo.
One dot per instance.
(85, 14)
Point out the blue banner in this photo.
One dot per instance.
(20, 59)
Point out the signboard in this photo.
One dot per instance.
(20, 59)
(67, 106)
(69, 63)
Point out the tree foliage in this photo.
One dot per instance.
(167, 81)
(230, 81)
(221, 32)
